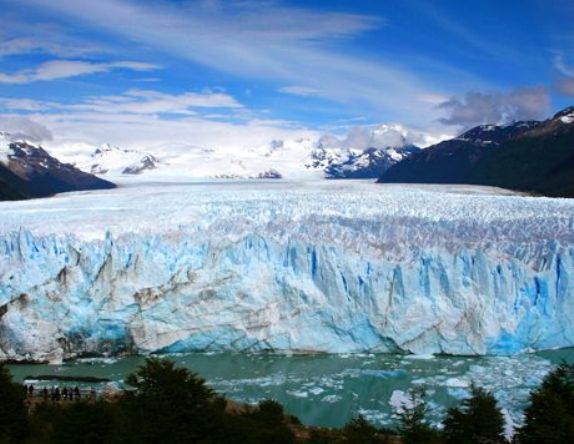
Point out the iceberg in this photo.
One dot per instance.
(286, 267)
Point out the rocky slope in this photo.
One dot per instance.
(28, 171)
(528, 156)
(114, 160)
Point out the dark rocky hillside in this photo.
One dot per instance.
(528, 156)
(28, 171)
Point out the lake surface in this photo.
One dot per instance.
(328, 390)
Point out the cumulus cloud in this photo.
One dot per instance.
(478, 108)
(61, 69)
(380, 136)
(24, 128)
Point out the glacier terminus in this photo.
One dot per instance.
(337, 267)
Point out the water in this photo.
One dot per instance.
(328, 390)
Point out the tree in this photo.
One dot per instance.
(83, 422)
(360, 431)
(550, 416)
(14, 424)
(413, 425)
(169, 405)
(264, 424)
(478, 420)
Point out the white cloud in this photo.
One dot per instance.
(61, 69)
(48, 44)
(274, 43)
(146, 118)
(24, 128)
(295, 90)
(500, 107)
(26, 105)
(565, 85)
(384, 135)
(133, 101)
(152, 102)
(565, 81)
(561, 66)
(146, 131)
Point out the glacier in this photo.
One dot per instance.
(287, 267)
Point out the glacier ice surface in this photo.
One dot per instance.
(341, 267)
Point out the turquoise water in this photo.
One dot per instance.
(328, 390)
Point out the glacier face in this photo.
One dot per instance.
(306, 267)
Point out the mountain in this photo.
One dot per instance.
(365, 152)
(367, 164)
(451, 161)
(539, 160)
(28, 171)
(528, 156)
(115, 160)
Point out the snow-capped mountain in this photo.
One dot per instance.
(366, 164)
(566, 116)
(27, 170)
(529, 156)
(496, 134)
(364, 153)
(114, 160)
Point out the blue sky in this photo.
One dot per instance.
(215, 69)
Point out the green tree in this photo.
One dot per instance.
(265, 424)
(478, 420)
(169, 405)
(361, 431)
(14, 424)
(85, 423)
(413, 425)
(550, 416)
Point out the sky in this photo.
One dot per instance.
(237, 73)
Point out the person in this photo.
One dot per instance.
(45, 393)
(31, 391)
(58, 394)
(65, 393)
(92, 393)
(77, 394)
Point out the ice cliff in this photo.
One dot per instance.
(326, 268)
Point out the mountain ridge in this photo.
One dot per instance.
(531, 156)
(28, 171)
